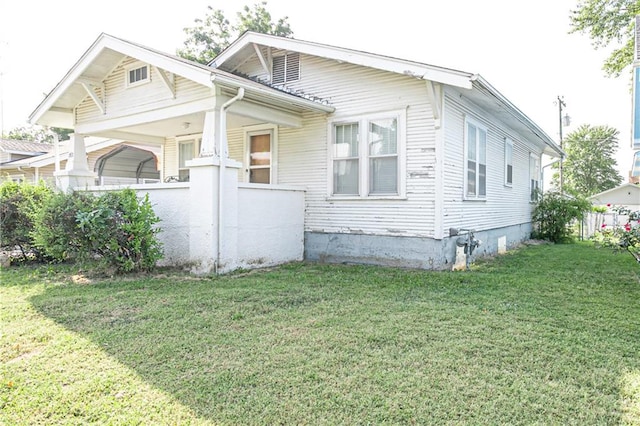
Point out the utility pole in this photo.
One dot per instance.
(561, 104)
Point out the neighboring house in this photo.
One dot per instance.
(626, 195)
(12, 151)
(114, 162)
(295, 149)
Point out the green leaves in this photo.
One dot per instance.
(608, 22)
(116, 228)
(590, 165)
(553, 214)
(212, 35)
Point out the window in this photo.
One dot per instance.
(534, 176)
(508, 162)
(285, 68)
(137, 75)
(187, 150)
(346, 159)
(365, 156)
(476, 160)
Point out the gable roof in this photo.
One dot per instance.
(480, 90)
(108, 51)
(244, 45)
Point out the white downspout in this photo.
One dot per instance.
(223, 153)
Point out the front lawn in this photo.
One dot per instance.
(547, 334)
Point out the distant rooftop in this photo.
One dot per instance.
(25, 147)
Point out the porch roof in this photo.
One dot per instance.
(108, 51)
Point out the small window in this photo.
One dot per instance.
(187, 150)
(476, 160)
(508, 162)
(534, 176)
(286, 68)
(138, 75)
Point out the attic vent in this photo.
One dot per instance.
(286, 68)
(137, 74)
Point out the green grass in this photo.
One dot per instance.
(543, 335)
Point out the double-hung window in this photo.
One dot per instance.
(475, 160)
(534, 176)
(366, 156)
(508, 162)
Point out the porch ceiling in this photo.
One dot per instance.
(184, 125)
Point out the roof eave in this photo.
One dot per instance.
(553, 149)
(437, 74)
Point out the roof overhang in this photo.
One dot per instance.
(491, 99)
(244, 46)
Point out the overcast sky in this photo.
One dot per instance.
(522, 48)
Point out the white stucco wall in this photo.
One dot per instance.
(270, 225)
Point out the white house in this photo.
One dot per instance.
(626, 195)
(294, 149)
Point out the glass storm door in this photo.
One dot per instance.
(260, 158)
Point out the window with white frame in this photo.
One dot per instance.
(137, 75)
(285, 68)
(534, 176)
(187, 150)
(476, 160)
(366, 156)
(508, 162)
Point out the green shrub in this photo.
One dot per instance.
(115, 228)
(19, 203)
(56, 231)
(553, 214)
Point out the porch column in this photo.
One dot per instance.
(213, 218)
(76, 173)
(211, 134)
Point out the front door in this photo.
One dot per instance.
(260, 158)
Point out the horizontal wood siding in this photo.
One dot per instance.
(235, 141)
(303, 153)
(170, 155)
(503, 206)
(121, 101)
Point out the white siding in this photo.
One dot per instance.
(303, 152)
(503, 206)
(121, 101)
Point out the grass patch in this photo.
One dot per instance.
(545, 334)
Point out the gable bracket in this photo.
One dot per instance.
(90, 86)
(434, 93)
(263, 61)
(168, 82)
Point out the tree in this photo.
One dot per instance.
(589, 167)
(38, 134)
(607, 22)
(212, 35)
